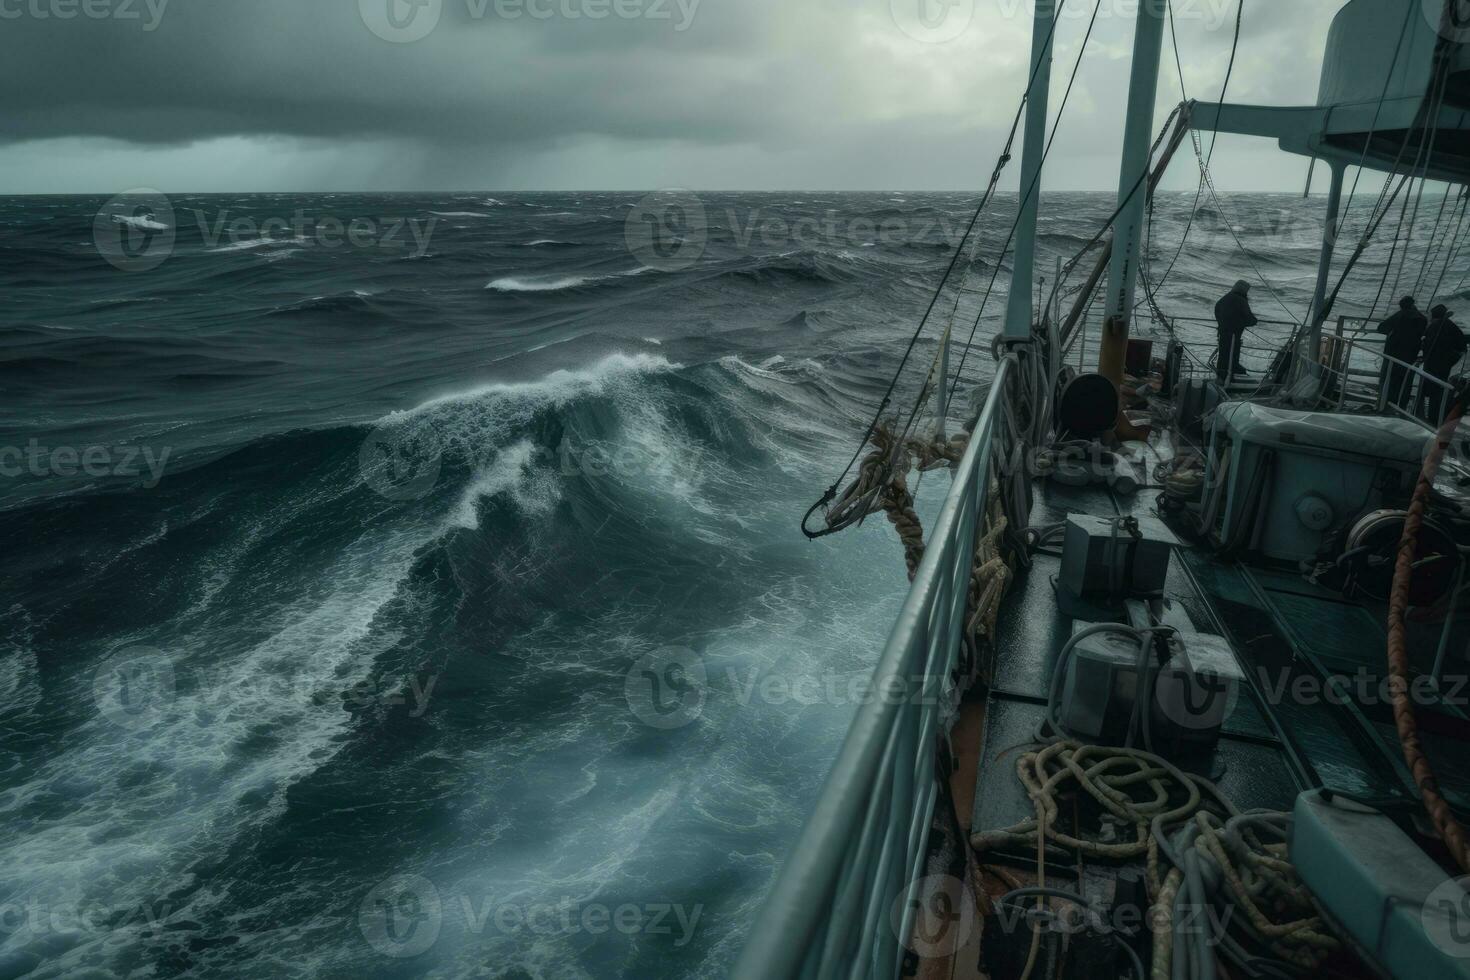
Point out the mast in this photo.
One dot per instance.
(1019, 312)
(1133, 190)
(1324, 264)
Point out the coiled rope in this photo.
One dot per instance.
(882, 482)
(1110, 775)
(1240, 857)
(1210, 855)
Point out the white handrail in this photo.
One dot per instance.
(864, 845)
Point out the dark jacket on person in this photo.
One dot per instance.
(1444, 344)
(1405, 330)
(1233, 313)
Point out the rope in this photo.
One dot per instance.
(990, 572)
(1228, 220)
(1376, 216)
(1456, 242)
(1108, 774)
(1225, 86)
(1373, 125)
(1441, 80)
(1181, 113)
(1035, 182)
(1211, 856)
(1243, 856)
(1436, 244)
(1000, 164)
(1435, 804)
(1200, 188)
(1146, 261)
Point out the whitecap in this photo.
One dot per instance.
(141, 222)
(547, 284)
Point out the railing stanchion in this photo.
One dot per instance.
(829, 912)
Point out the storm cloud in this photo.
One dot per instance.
(421, 94)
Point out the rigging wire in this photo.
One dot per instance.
(1204, 165)
(1429, 138)
(1035, 182)
(1393, 249)
(1381, 207)
(1438, 85)
(1071, 265)
(1229, 224)
(1004, 158)
(1373, 125)
(1200, 187)
(1456, 241)
(1198, 150)
(1447, 248)
(1229, 68)
(1436, 244)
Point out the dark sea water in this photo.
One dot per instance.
(341, 540)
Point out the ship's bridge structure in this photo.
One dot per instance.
(1394, 97)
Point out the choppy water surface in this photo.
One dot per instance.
(411, 585)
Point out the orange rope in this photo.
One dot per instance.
(1439, 811)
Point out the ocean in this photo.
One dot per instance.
(411, 584)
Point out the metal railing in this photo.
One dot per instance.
(862, 851)
(1346, 384)
(1368, 387)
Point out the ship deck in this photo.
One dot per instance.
(1289, 635)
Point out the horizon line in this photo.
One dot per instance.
(650, 190)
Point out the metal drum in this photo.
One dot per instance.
(1371, 551)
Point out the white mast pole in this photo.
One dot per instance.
(1019, 312)
(1133, 190)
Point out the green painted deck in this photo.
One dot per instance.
(1290, 731)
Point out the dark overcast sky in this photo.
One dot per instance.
(220, 95)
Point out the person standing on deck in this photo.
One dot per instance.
(1405, 332)
(1444, 345)
(1232, 316)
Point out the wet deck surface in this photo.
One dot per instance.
(1289, 635)
(1033, 634)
